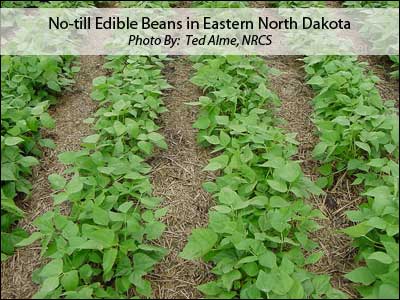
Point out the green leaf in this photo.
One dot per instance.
(75, 185)
(276, 201)
(106, 237)
(99, 80)
(361, 275)
(228, 196)
(108, 259)
(53, 268)
(229, 278)
(100, 216)
(364, 146)
(154, 230)
(381, 257)
(211, 288)
(29, 240)
(124, 207)
(146, 147)
(277, 185)
(268, 259)
(217, 163)
(47, 121)
(214, 140)
(388, 291)
(70, 280)
(357, 230)
(158, 139)
(119, 128)
(91, 139)
(222, 120)
(57, 181)
(49, 143)
(314, 258)
(201, 241)
(28, 161)
(12, 141)
(320, 149)
(54, 86)
(50, 284)
(289, 172)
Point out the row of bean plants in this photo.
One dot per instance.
(28, 88)
(378, 4)
(103, 247)
(259, 228)
(359, 134)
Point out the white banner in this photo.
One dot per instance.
(180, 31)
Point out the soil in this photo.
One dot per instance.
(177, 177)
(72, 108)
(296, 111)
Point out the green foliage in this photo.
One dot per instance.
(258, 229)
(47, 4)
(359, 134)
(395, 60)
(102, 249)
(147, 4)
(299, 4)
(28, 87)
(219, 4)
(371, 4)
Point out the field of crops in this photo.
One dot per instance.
(250, 177)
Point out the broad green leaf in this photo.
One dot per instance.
(100, 216)
(70, 280)
(91, 139)
(124, 207)
(381, 257)
(119, 128)
(229, 278)
(267, 259)
(361, 275)
(109, 257)
(217, 163)
(50, 284)
(277, 185)
(12, 141)
(364, 146)
(32, 238)
(314, 258)
(75, 185)
(214, 140)
(289, 172)
(57, 181)
(53, 268)
(357, 230)
(47, 121)
(158, 139)
(201, 241)
(28, 161)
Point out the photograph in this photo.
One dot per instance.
(199, 149)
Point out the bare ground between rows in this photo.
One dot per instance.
(296, 111)
(177, 177)
(72, 108)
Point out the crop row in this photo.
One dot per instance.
(28, 86)
(379, 39)
(359, 134)
(259, 228)
(103, 247)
